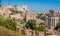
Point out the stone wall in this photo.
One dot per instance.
(29, 32)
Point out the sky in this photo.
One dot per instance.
(36, 5)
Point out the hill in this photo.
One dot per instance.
(6, 32)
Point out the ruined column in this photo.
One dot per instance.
(33, 32)
(18, 29)
(27, 32)
(40, 33)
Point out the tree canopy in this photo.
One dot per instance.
(0, 3)
(57, 26)
(22, 21)
(40, 28)
(31, 24)
(42, 16)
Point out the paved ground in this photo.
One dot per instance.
(54, 33)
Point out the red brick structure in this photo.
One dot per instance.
(29, 15)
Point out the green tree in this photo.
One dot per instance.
(1, 17)
(45, 32)
(41, 28)
(58, 25)
(31, 24)
(15, 5)
(0, 3)
(42, 16)
(8, 23)
(22, 22)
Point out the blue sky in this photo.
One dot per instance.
(36, 5)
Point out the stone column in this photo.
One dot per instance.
(27, 32)
(40, 33)
(19, 29)
(33, 32)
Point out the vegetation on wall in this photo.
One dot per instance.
(42, 16)
(16, 12)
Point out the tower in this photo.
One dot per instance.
(24, 7)
(30, 16)
(51, 12)
(8, 5)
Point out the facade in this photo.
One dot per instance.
(26, 16)
(18, 8)
(5, 12)
(30, 15)
(16, 16)
(52, 19)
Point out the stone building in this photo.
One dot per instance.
(30, 15)
(52, 19)
(29, 32)
(5, 12)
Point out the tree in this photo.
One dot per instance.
(0, 4)
(8, 23)
(42, 16)
(41, 28)
(22, 21)
(1, 17)
(15, 5)
(31, 24)
(57, 26)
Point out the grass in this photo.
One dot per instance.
(6, 32)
